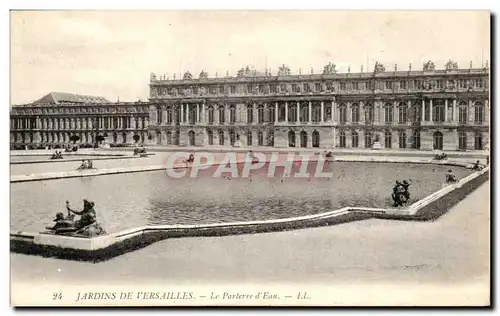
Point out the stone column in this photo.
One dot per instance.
(454, 114)
(395, 112)
(408, 109)
(182, 112)
(310, 113)
(298, 112)
(430, 111)
(187, 113)
(322, 111)
(446, 110)
(203, 118)
(197, 113)
(470, 114)
(286, 112)
(422, 115)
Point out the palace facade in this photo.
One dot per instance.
(424, 109)
(57, 117)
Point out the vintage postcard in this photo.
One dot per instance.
(250, 158)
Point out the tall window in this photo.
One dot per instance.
(232, 114)
(388, 85)
(462, 113)
(249, 138)
(292, 113)
(462, 141)
(478, 141)
(272, 112)
(304, 112)
(315, 138)
(402, 84)
(249, 113)
(388, 113)
(221, 137)
(317, 87)
(355, 85)
(388, 139)
(354, 139)
(260, 114)
(222, 114)
(342, 113)
(402, 139)
(355, 113)
(233, 89)
(403, 109)
(316, 112)
(478, 112)
(342, 139)
(210, 115)
(260, 136)
(368, 139)
(438, 113)
(159, 114)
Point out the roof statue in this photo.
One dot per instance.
(395, 67)
(409, 67)
(451, 65)
(329, 69)
(203, 75)
(284, 70)
(152, 77)
(187, 76)
(378, 67)
(246, 72)
(361, 68)
(429, 66)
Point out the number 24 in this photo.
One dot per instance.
(57, 296)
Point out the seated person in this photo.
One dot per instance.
(477, 166)
(191, 158)
(329, 154)
(89, 164)
(83, 165)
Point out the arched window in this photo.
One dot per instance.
(342, 113)
(478, 141)
(403, 109)
(169, 137)
(368, 113)
(355, 113)
(221, 137)
(416, 139)
(232, 114)
(368, 139)
(281, 111)
(159, 114)
(260, 113)
(249, 113)
(402, 139)
(462, 141)
(354, 139)
(388, 139)
(291, 139)
(222, 114)
(192, 114)
(249, 138)
(462, 113)
(388, 113)
(342, 139)
(315, 138)
(438, 140)
(210, 115)
(260, 136)
(210, 135)
(178, 114)
(478, 113)
(191, 137)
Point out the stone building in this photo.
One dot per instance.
(416, 109)
(56, 117)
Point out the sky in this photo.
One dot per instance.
(112, 53)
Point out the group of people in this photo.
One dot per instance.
(86, 164)
(56, 155)
(88, 217)
(138, 151)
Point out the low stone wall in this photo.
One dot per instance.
(97, 157)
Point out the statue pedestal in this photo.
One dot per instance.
(376, 145)
(237, 144)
